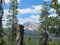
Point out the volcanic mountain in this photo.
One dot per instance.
(30, 26)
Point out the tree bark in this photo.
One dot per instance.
(43, 37)
(1, 15)
(1, 31)
(20, 34)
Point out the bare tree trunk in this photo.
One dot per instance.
(1, 14)
(1, 24)
(20, 34)
(43, 37)
(1, 31)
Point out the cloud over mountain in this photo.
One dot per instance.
(36, 9)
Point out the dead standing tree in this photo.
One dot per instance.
(20, 34)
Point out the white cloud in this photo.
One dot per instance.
(6, 12)
(46, 0)
(53, 15)
(36, 9)
(5, 17)
(21, 21)
(8, 1)
(30, 19)
(52, 10)
(33, 18)
(24, 11)
(19, 1)
(58, 1)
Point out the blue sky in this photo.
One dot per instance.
(29, 3)
(29, 10)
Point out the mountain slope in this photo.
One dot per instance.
(30, 26)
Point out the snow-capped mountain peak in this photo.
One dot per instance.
(30, 26)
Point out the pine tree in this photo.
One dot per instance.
(2, 42)
(12, 19)
(53, 25)
(29, 41)
(43, 38)
(54, 4)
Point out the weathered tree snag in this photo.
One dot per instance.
(43, 37)
(20, 34)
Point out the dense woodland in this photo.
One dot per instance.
(14, 33)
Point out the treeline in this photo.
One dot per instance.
(14, 34)
(49, 24)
